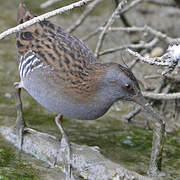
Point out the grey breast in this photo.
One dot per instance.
(43, 85)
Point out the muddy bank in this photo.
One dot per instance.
(87, 162)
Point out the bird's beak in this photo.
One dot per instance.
(139, 99)
(158, 135)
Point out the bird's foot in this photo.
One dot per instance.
(42, 134)
(64, 152)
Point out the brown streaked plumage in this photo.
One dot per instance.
(62, 74)
(75, 66)
(68, 55)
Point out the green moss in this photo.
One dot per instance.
(11, 165)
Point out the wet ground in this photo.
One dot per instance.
(128, 144)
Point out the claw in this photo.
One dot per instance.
(65, 151)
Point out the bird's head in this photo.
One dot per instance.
(121, 84)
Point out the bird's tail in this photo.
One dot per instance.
(23, 14)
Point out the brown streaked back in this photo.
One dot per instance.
(51, 44)
(70, 58)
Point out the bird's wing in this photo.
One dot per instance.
(51, 44)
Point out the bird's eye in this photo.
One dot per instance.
(127, 86)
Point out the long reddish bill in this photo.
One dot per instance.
(158, 135)
(139, 99)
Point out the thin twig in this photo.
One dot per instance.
(108, 24)
(81, 19)
(161, 35)
(43, 17)
(90, 35)
(132, 114)
(130, 6)
(146, 28)
(161, 96)
(142, 44)
(157, 61)
(135, 60)
(152, 76)
(136, 2)
(174, 79)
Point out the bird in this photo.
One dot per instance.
(63, 75)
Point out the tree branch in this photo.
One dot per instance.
(142, 44)
(42, 17)
(108, 24)
(161, 96)
(89, 8)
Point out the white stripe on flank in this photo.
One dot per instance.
(28, 64)
(26, 59)
(24, 69)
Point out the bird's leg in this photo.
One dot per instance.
(65, 151)
(20, 123)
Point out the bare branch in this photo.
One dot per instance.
(158, 34)
(146, 28)
(161, 35)
(42, 17)
(90, 35)
(136, 2)
(131, 5)
(108, 24)
(89, 8)
(171, 58)
(161, 96)
(159, 61)
(133, 113)
(142, 44)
